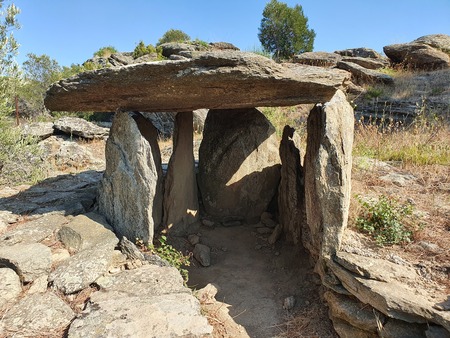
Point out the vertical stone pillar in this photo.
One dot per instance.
(131, 192)
(180, 195)
(328, 163)
(291, 196)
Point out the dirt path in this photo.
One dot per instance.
(254, 278)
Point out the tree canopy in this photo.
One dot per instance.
(173, 35)
(284, 30)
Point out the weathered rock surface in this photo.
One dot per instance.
(222, 79)
(438, 41)
(117, 310)
(364, 75)
(369, 63)
(80, 127)
(180, 204)
(34, 231)
(291, 192)
(29, 261)
(39, 130)
(320, 59)
(360, 52)
(345, 330)
(37, 315)
(163, 122)
(418, 55)
(202, 253)
(239, 165)
(328, 163)
(131, 192)
(10, 287)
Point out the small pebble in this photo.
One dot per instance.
(258, 247)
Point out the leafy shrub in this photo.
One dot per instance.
(141, 49)
(172, 256)
(173, 35)
(105, 52)
(385, 220)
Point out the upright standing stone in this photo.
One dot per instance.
(291, 196)
(180, 194)
(328, 165)
(131, 192)
(239, 164)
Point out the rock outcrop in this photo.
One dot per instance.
(320, 59)
(131, 192)
(80, 127)
(225, 79)
(363, 75)
(362, 52)
(426, 53)
(239, 165)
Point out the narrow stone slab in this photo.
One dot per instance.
(37, 315)
(222, 79)
(79, 127)
(28, 260)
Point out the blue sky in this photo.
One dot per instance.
(70, 31)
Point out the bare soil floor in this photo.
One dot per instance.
(253, 279)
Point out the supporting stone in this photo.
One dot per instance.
(291, 193)
(239, 164)
(131, 192)
(180, 195)
(328, 165)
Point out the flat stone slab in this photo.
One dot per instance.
(30, 261)
(221, 80)
(37, 315)
(10, 286)
(80, 127)
(147, 302)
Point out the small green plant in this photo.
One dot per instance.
(172, 256)
(373, 92)
(105, 52)
(385, 220)
(141, 49)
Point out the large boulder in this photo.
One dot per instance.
(221, 79)
(239, 165)
(328, 163)
(362, 52)
(363, 75)
(80, 127)
(320, 59)
(438, 41)
(418, 55)
(131, 192)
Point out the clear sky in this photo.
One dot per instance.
(70, 31)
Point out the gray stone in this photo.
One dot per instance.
(291, 192)
(239, 165)
(133, 174)
(38, 130)
(202, 253)
(82, 269)
(79, 127)
(363, 75)
(439, 41)
(395, 299)
(180, 194)
(130, 250)
(30, 261)
(320, 59)
(10, 287)
(37, 315)
(87, 231)
(221, 79)
(117, 310)
(346, 330)
(199, 117)
(435, 331)
(174, 48)
(3, 226)
(163, 122)
(268, 222)
(39, 285)
(59, 255)
(402, 180)
(33, 231)
(193, 239)
(264, 231)
(275, 235)
(328, 163)
(397, 328)
(357, 314)
(289, 303)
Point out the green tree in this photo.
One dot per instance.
(141, 49)
(173, 35)
(9, 70)
(284, 31)
(39, 73)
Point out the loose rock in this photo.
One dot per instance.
(202, 253)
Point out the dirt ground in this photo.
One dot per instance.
(253, 279)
